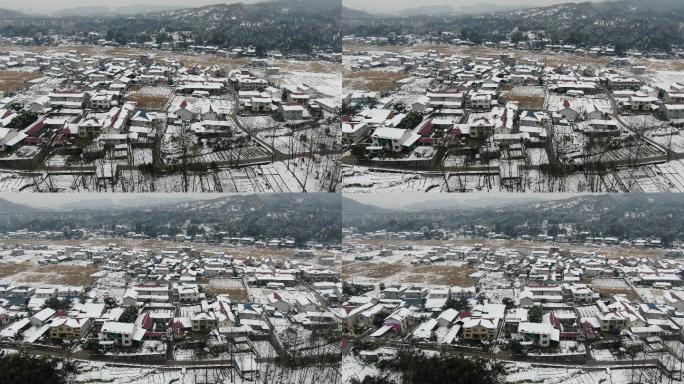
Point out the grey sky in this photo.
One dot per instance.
(45, 6)
(383, 200)
(400, 200)
(395, 5)
(51, 200)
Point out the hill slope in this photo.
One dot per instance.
(9, 207)
(302, 217)
(291, 26)
(7, 14)
(618, 215)
(656, 25)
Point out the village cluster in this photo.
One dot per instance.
(503, 119)
(172, 305)
(127, 121)
(597, 303)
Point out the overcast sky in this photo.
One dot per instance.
(400, 200)
(395, 5)
(51, 200)
(45, 6)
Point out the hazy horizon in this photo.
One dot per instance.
(399, 5)
(400, 200)
(47, 6)
(385, 6)
(51, 200)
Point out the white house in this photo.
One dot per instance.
(540, 334)
(393, 139)
(40, 318)
(672, 111)
(351, 132)
(291, 112)
(447, 317)
(261, 104)
(123, 334)
(67, 100)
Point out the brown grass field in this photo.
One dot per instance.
(187, 59)
(527, 102)
(12, 81)
(9, 269)
(150, 103)
(442, 275)
(610, 292)
(371, 270)
(613, 252)
(548, 58)
(49, 274)
(423, 274)
(145, 101)
(238, 252)
(311, 66)
(239, 295)
(374, 81)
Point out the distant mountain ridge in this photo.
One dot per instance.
(7, 206)
(659, 215)
(301, 217)
(96, 204)
(652, 26)
(350, 13)
(439, 10)
(289, 26)
(351, 206)
(111, 11)
(8, 13)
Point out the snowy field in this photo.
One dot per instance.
(663, 177)
(361, 179)
(93, 372)
(313, 174)
(664, 79)
(328, 85)
(255, 123)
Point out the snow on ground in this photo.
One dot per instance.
(602, 355)
(13, 182)
(361, 179)
(665, 79)
(93, 372)
(112, 284)
(411, 91)
(537, 156)
(585, 103)
(609, 283)
(638, 121)
(282, 139)
(310, 173)
(264, 348)
(327, 84)
(649, 295)
(142, 156)
(157, 91)
(274, 177)
(473, 182)
(353, 368)
(255, 122)
(671, 138)
(528, 373)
